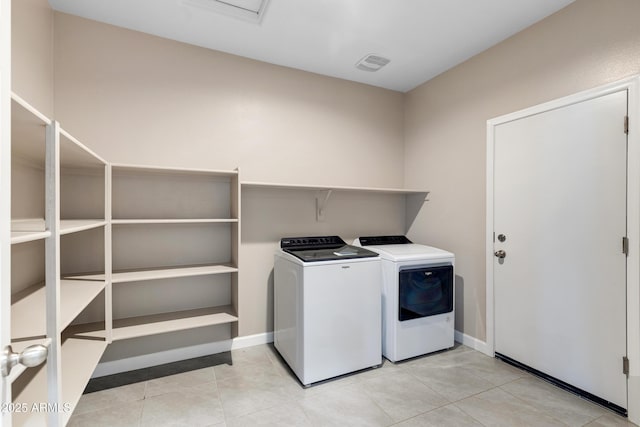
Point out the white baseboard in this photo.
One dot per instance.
(162, 357)
(633, 397)
(474, 343)
(175, 355)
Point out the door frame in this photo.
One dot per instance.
(632, 84)
(5, 190)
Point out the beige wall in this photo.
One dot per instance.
(143, 99)
(32, 53)
(137, 98)
(589, 43)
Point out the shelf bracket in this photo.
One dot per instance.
(321, 205)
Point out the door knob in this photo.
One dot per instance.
(500, 254)
(29, 357)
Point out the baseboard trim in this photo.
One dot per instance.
(474, 343)
(169, 356)
(633, 397)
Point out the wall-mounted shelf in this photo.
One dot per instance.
(257, 184)
(171, 170)
(325, 192)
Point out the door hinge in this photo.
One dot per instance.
(625, 365)
(626, 124)
(625, 245)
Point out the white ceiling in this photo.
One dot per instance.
(422, 38)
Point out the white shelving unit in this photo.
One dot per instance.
(29, 236)
(62, 231)
(170, 225)
(59, 188)
(79, 205)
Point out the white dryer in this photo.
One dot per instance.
(417, 296)
(327, 312)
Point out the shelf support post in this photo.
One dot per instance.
(52, 269)
(108, 256)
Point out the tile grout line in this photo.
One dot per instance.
(548, 412)
(468, 414)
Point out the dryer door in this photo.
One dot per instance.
(425, 291)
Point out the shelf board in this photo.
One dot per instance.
(134, 327)
(36, 116)
(28, 236)
(142, 326)
(68, 226)
(80, 357)
(28, 224)
(171, 170)
(75, 296)
(331, 187)
(28, 315)
(28, 131)
(162, 273)
(173, 221)
(19, 346)
(33, 392)
(76, 155)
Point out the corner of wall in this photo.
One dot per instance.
(32, 53)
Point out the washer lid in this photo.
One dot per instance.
(323, 248)
(403, 250)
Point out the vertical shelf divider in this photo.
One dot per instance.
(235, 250)
(108, 257)
(52, 269)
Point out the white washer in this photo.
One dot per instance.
(327, 307)
(417, 296)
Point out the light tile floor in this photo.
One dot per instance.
(459, 387)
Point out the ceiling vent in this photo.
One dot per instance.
(372, 63)
(246, 10)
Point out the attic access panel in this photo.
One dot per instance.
(246, 10)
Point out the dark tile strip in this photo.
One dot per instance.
(146, 374)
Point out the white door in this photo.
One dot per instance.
(560, 207)
(5, 211)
